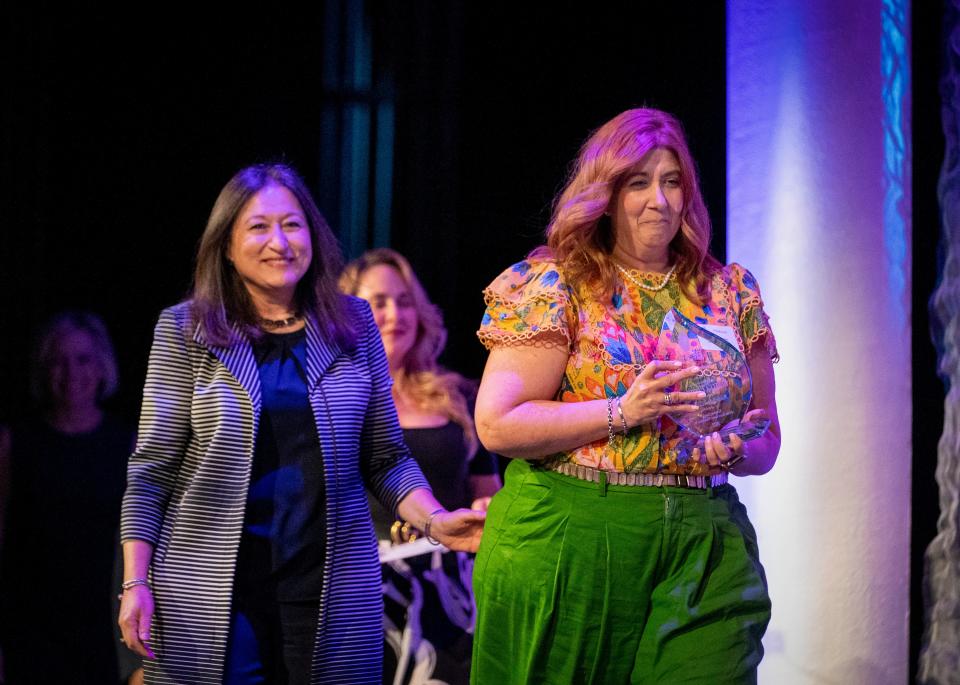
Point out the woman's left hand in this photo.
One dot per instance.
(459, 530)
(716, 452)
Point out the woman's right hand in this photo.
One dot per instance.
(136, 613)
(646, 399)
(460, 529)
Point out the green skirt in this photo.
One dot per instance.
(581, 584)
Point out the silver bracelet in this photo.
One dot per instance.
(623, 419)
(429, 522)
(134, 582)
(610, 421)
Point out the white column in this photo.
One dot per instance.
(818, 160)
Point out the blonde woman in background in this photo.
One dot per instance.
(434, 406)
(431, 401)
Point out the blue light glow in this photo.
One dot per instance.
(895, 65)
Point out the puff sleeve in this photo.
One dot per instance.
(754, 322)
(524, 303)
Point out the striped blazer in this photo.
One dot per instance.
(187, 484)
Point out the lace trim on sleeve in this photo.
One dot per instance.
(547, 335)
(763, 330)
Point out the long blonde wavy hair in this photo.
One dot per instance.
(580, 234)
(420, 378)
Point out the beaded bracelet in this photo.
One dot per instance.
(134, 582)
(426, 526)
(610, 421)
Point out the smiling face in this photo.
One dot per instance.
(393, 310)
(270, 245)
(647, 209)
(74, 371)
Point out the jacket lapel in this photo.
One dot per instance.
(320, 354)
(239, 360)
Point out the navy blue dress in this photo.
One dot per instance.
(279, 574)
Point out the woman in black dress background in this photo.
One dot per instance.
(429, 598)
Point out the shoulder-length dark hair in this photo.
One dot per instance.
(580, 234)
(220, 298)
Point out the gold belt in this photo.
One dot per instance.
(655, 480)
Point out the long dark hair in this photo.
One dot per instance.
(220, 298)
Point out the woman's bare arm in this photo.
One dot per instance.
(517, 416)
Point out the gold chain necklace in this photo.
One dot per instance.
(651, 288)
(278, 323)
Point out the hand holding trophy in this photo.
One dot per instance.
(724, 377)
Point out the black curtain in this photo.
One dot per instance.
(928, 41)
(117, 139)
(493, 102)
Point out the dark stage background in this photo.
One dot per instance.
(118, 132)
(117, 139)
(929, 37)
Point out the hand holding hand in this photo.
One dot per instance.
(481, 504)
(460, 530)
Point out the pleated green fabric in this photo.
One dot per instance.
(578, 583)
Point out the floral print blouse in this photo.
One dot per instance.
(612, 340)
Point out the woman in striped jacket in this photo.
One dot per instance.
(248, 546)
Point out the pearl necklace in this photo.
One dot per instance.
(651, 288)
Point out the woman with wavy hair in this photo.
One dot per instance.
(435, 409)
(249, 551)
(614, 554)
(427, 396)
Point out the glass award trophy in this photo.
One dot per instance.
(724, 377)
